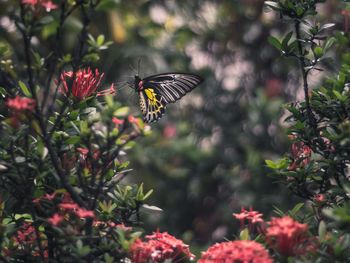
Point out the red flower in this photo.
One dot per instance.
(320, 199)
(84, 85)
(287, 236)
(132, 119)
(158, 248)
(117, 122)
(169, 131)
(26, 234)
(21, 104)
(239, 251)
(55, 219)
(301, 155)
(123, 227)
(69, 206)
(252, 217)
(83, 213)
(47, 4)
(49, 197)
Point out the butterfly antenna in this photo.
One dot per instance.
(138, 66)
(133, 69)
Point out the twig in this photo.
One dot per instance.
(304, 74)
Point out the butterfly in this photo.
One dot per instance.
(156, 91)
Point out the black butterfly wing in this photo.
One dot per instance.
(152, 104)
(172, 86)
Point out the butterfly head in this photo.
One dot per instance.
(138, 83)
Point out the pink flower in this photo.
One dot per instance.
(26, 234)
(169, 131)
(55, 219)
(301, 155)
(83, 151)
(320, 199)
(46, 4)
(123, 227)
(252, 217)
(158, 248)
(21, 104)
(236, 251)
(287, 236)
(132, 119)
(83, 213)
(48, 197)
(117, 122)
(84, 84)
(69, 206)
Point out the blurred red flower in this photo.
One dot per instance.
(117, 122)
(48, 5)
(301, 155)
(288, 237)
(236, 251)
(55, 219)
(83, 213)
(21, 104)
(169, 131)
(84, 84)
(26, 234)
(251, 216)
(158, 248)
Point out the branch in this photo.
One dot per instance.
(304, 74)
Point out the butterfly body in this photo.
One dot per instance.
(156, 91)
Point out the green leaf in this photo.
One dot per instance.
(275, 42)
(318, 51)
(330, 41)
(244, 234)
(24, 88)
(286, 39)
(121, 112)
(322, 230)
(100, 40)
(73, 140)
(296, 209)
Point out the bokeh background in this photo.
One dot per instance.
(205, 157)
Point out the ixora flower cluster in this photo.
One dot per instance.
(283, 236)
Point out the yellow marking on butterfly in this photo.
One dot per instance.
(151, 95)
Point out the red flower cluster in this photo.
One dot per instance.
(84, 84)
(253, 217)
(21, 104)
(68, 207)
(240, 251)
(26, 241)
(301, 155)
(77, 210)
(158, 248)
(288, 236)
(26, 234)
(48, 5)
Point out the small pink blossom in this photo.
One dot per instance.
(21, 104)
(48, 5)
(83, 213)
(55, 219)
(117, 122)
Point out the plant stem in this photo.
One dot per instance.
(304, 74)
